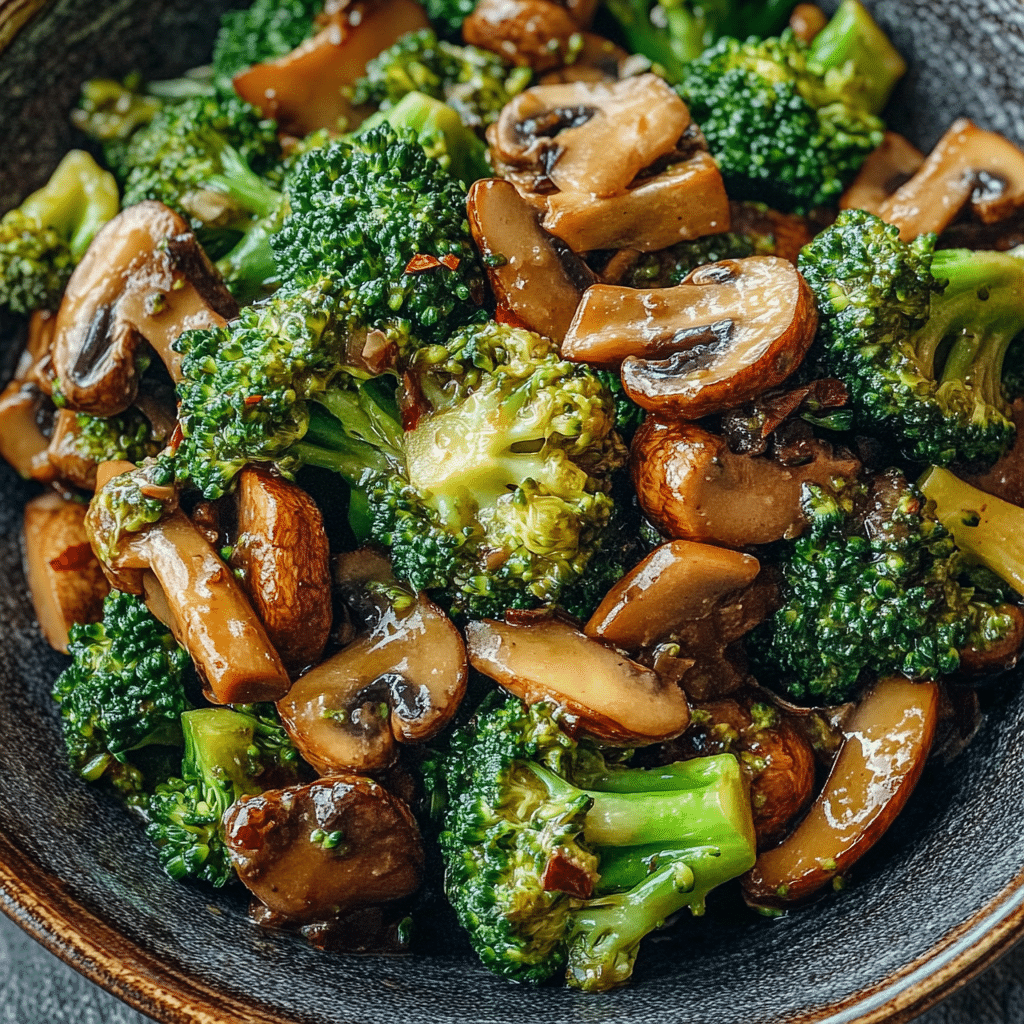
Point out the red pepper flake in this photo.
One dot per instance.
(421, 262)
(176, 438)
(253, 399)
(563, 875)
(451, 261)
(72, 559)
(504, 315)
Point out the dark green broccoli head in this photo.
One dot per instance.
(548, 876)
(387, 224)
(918, 337)
(228, 754)
(780, 133)
(447, 16)
(873, 587)
(474, 82)
(265, 30)
(35, 264)
(128, 436)
(124, 689)
(175, 156)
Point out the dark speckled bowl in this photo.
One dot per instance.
(939, 898)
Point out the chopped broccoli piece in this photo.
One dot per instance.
(361, 211)
(447, 16)
(111, 113)
(673, 33)
(128, 436)
(124, 505)
(228, 754)
(475, 83)
(556, 860)
(872, 587)
(919, 338)
(780, 132)
(125, 688)
(43, 239)
(265, 30)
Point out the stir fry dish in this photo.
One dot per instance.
(564, 458)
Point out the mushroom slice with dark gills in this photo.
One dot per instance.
(144, 278)
(967, 165)
(533, 274)
(728, 332)
(314, 854)
(400, 682)
(538, 34)
(590, 138)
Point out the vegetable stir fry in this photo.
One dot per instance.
(520, 452)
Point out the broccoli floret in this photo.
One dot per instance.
(126, 505)
(125, 688)
(674, 33)
(874, 586)
(228, 754)
(388, 224)
(855, 58)
(447, 16)
(474, 82)
(439, 131)
(628, 415)
(261, 32)
(111, 113)
(919, 338)
(43, 239)
(558, 861)
(203, 157)
(780, 132)
(128, 436)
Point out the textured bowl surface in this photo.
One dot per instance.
(940, 896)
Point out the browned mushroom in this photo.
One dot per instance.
(677, 582)
(537, 34)
(967, 164)
(144, 278)
(283, 556)
(208, 611)
(401, 682)
(1005, 479)
(597, 60)
(309, 88)
(64, 577)
(602, 692)
(886, 169)
(22, 441)
(533, 274)
(315, 853)
(806, 21)
(730, 331)
(691, 486)
(887, 742)
(788, 233)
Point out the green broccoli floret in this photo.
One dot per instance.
(43, 239)
(628, 415)
(672, 33)
(128, 436)
(919, 338)
(125, 689)
(228, 754)
(475, 83)
(112, 112)
(780, 132)
(447, 16)
(556, 860)
(361, 210)
(873, 586)
(204, 157)
(125, 505)
(265, 30)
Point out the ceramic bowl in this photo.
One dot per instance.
(934, 902)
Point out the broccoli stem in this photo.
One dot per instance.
(238, 181)
(327, 445)
(854, 47)
(986, 529)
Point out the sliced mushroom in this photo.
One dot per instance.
(786, 233)
(1005, 479)
(677, 582)
(968, 164)
(144, 278)
(591, 138)
(534, 275)
(537, 34)
(283, 556)
(730, 331)
(692, 487)
(400, 683)
(883, 755)
(64, 577)
(314, 853)
(22, 441)
(309, 88)
(210, 615)
(607, 695)
(886, 169)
